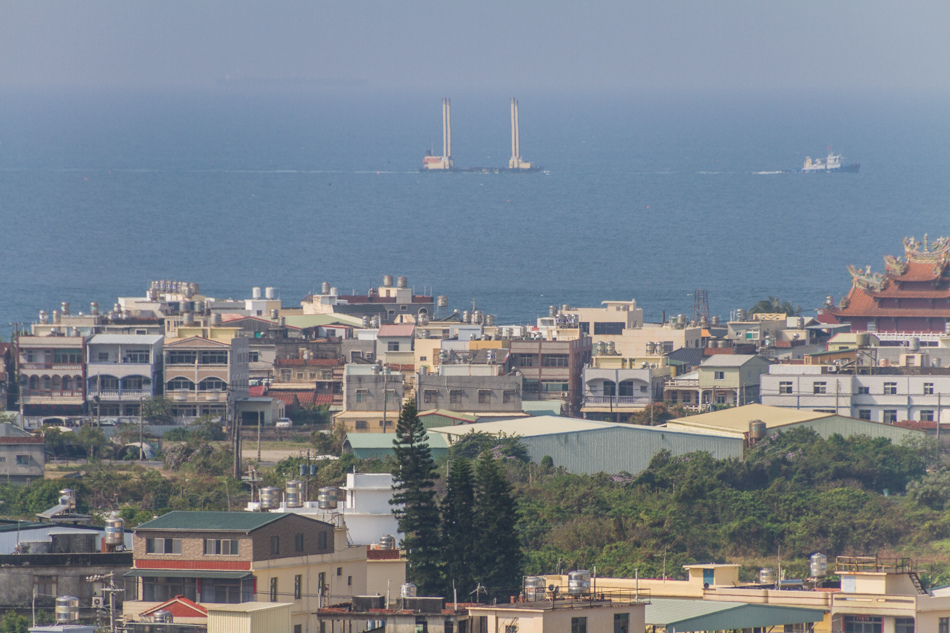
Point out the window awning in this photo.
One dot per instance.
(187, 573)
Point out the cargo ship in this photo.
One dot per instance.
(831, 164)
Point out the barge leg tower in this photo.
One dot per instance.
(516, 162)
(443, 162)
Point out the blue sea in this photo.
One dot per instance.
(642, 196)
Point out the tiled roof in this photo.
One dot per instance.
(256, 391)
(862, 304)
(216, 521)
(920, 271)
(396, 330)
(180, 607)
(299, 397)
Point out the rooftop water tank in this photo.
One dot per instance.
(442, 301)
(914, 344)
(65, 306)
(294, 495)
(387, 541)
(407, 590)
(766, 576)
(334, 291)
(327, 498)
(715, 319)
(56, 317)
(466, 317)
(256, 292)
(611, 348)
(274, 314)
(200, 307)
(325, 288)
(534, 587)
(270, 498)
(756, 429)
(67, 498)
(365, 321)
(163, 617)
(115, 531)
(552, 311)
(423, 319)
(817, 565)
(67, 609)
(578, 582)
(215, 318)
(94, 309)
(270, 293)
(188, 319)
(402, 282)
(489, 320)
(387, 281)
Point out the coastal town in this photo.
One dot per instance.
(583, 391)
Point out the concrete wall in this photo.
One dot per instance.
(435, 392)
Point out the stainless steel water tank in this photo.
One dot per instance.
(327, 498)
(67, 609)
(578, 582)
(408, 590)
(387, 281)
(270, 498)
(115, 531)
(534, 588)
(766, 576)
(817, 565)
(294, 494)
(387, 541)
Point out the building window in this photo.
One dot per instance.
(298, 586)
(720, 398)
(621, 623)
(890, 388)
(509, 396)
(928, 388)
(221, 547)
(392, 346)
(555, 360)
(578, 625)
(180, 384)
(608, 328)
(298, 542)
(212, 384)
(674, 397)
(275, 545)
(102, 357)
(785, 386)
(298, 628)
(163, 546)
(339, 571)
(523, 360)
(944, 625)
(864, 414)
(45, 586)
(273, 590)
(213, 357)
(322, 583)
(362, 395)
(927, 415)
(390, 395)
(484, 396)
(688, 397)
(511, 628)
(349, 581)
(890, 416)
(430, 396)
(321, 541)
(719, 375)
(361, 425)
(903, 625)
(863, 391)
(22, 460)
(819, 387)
(455, 396)
(136, 356)
(181, 358)
(862, 624)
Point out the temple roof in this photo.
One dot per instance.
(860, 303)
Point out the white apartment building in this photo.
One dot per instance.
(886, 394)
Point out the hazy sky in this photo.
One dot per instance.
(552, 45)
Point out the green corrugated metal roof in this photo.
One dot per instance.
(216, 521)
(445, 413)
(708, 615)
(187, 573)
(385, 440)
(542, 407)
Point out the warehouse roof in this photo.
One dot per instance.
(706, 615)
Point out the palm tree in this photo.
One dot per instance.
(773, 305)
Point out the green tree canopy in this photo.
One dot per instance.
(458, 530)
(774, 305)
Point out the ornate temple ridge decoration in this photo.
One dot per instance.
(937, 252)
(895, 266)
(866, 280)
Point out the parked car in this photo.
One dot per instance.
(284, 423)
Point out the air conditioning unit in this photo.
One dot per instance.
(98, 602)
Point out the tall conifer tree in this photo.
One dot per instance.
(458, 530)
(498, 551)
(414, 502)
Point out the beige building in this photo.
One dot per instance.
(52, 378)
(206, 372)
(240, 557)
(601, 612)
(722, 379)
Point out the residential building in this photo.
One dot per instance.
(881, 394)
(395, 345)
(613, 394)
(372, 398)
(911, 295)
(600, 612)
(551, 370)
(121, 371)
(22, 455)
(52, 378)
(43, 561)
(206, 373)
(475, 388)
(721, 379)
(385, 303)
(238, 557)
(401, 615)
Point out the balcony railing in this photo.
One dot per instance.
(617, 401)
(67, 366)
(120, 394)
